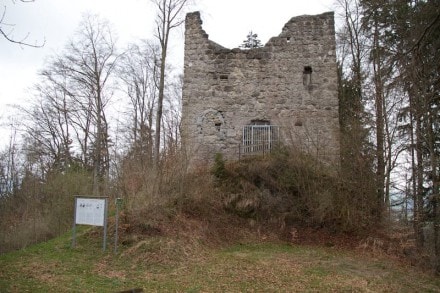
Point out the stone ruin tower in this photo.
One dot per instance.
(243, 102)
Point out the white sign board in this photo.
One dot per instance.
(90, 211)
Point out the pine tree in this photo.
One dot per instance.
(251, 41)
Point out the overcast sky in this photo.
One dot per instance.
(54, 22)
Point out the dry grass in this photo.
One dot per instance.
(162, 264)
(284, 197)
(238, 234)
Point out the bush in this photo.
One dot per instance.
(295, 189)
(41, 210)
(219, 169)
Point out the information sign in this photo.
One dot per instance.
(90, 211)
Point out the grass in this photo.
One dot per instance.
(159, 264)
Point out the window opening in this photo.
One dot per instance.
(224, 77)
(217, 126)
(260, 122)
(307, 76)
(259, 137)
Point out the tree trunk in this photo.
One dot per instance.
(164, 45)
(167, 19)
(379, 106)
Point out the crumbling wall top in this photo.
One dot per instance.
(311, 26)
(193, 28)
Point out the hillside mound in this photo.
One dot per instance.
(281, 197)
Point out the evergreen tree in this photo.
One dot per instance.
(251, 41)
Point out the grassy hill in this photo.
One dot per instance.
(273, 224)
(160, 264)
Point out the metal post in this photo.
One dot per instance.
(252, 139)
(105, 224)
(118, 201)
(74, 226)
(270, 139)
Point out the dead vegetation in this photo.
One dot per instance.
(283, 197)
(286, 197)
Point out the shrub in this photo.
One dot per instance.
(295, 189)
(219, 169)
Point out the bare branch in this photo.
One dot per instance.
(8, 37)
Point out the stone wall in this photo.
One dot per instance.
(290, 82)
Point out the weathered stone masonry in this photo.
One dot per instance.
(291, 82)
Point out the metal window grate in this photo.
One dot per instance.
(259, 138)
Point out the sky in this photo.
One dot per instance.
(54, 22)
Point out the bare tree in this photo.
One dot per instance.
(169, 16)
(82, 75)
(172, 118)
(7, 34)
(90, 61)
(139, 72)
(9, 169)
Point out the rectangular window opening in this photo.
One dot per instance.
(259, 138)
(307, 70)
(307, 76)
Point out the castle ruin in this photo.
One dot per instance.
(239, 102)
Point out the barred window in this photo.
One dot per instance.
(259, 137)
